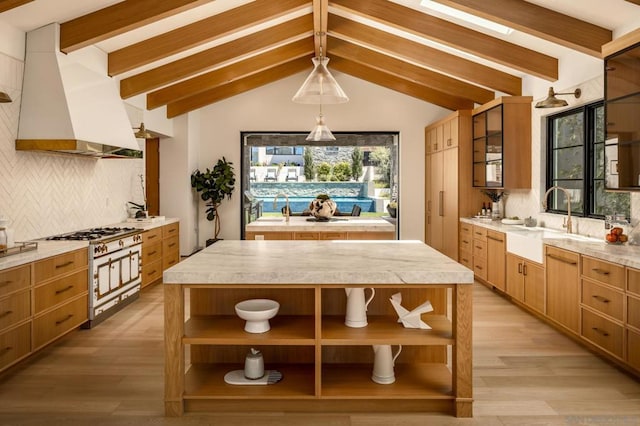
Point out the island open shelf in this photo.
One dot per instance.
(326, 365)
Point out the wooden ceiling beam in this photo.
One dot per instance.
(208, 59)
(200, 32)
(233, 72)
(237, 87)
(538, 21)
(118, 19)
(452, 35)
(11, 4)
(634, 2)
(320, 19)
(398, 84)
(406, 71)
(422, 55)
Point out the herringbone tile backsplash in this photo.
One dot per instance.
(46, 194)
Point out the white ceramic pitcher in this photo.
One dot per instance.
(383, 363)
(356, 315)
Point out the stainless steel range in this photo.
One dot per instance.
(115, 266)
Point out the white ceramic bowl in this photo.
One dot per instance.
(257, 313)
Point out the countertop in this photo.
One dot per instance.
(623, 254)
(146, 224)
(340, 223)
(45, 249)
(313, 262)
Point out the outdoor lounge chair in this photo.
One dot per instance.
(252, 175)
(272, 175)
(292, 174)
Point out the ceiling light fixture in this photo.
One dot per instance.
(553, 102)
(320, 87)
(467, 17)
(5, 98)
(142, 133)
(321, 132)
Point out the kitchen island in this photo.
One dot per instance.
(326, 365)
(308, 228)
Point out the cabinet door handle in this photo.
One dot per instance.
(600, 332)
(172, 244)
(600, 271)
(479, 247)
(67, 288)
(465, 260)
(4, 314)
(479, 267)
(441, 206)
(601, 299)
(7, 282)
(151, 253)
(465, 241)
(495, 239)
(519, 268)
(562, 259)
(67, 318)
(62, 265)
(5, 350)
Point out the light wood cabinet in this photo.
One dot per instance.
(496, 250)
(502, 143)
(525, 282)
(466, 245)
(479, 252)
(602, 332)
(563, 287)
(448, 192)
(160, 250)
(324, 363)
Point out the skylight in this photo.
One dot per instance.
(467, 17)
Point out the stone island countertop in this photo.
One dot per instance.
(308, 223)
(329, 262)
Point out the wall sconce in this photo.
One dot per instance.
(5, 98)
(553, 102)
(142, 133)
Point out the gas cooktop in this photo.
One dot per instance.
(96, 234)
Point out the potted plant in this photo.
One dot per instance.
(215, 185)
(392, 208)
(141, 210)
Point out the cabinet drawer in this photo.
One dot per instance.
(563, 256)
(306, 236)
(15, 344)
(603, 299)
(633, 312)
(151, 252)
(604, 272)
(633, 281)
(60, 290)
(59, 265)
(480, 267)
(170, 259)
(633, 349)
(170, 244)
(466, 259)
(14, 309)
(496, 235)
(151, 272)
(152, 235)
(59, 321)
(365, 235)
(333, 235)
(466, 229)
(602, 332)
(479, 249)
(479, 232)
(171, 230)
(15, 279)
(466, 243)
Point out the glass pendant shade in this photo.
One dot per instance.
(321, 132)
(320, 87)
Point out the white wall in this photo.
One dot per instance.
(371, 108)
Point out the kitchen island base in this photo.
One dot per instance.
(326, 366)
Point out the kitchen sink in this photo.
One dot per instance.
(529, 242)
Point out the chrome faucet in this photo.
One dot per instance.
(286, 210)
(567, 196)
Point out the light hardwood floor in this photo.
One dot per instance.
(525, 373)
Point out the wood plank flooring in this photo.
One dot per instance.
(525, 373)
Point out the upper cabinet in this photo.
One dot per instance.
(622, 113)
(502, 143)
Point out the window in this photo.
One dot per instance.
(285, 150)
(575, 153)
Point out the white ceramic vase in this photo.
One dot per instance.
(323, 208)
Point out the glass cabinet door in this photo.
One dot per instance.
(487, 148)
(622, 116)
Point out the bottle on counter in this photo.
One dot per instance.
(3, 239)
(484, 209)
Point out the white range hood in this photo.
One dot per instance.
(69, 104)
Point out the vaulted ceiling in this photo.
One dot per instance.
(383, 42)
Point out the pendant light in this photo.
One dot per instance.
(321, 132)
(320, 87)
(553, 102)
